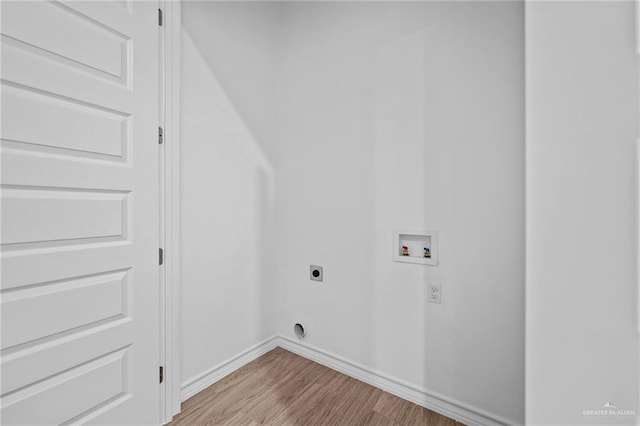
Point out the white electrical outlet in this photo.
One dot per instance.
(435, 293)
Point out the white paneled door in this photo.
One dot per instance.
(80, 201)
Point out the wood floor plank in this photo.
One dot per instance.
(309, 408)
(278, 398)
(377, 419)
(355, 404)
(281, 388)
(242, 419)
(402, 411)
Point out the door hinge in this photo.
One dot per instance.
(160, 256)
(160, 17)
(160, 135)
(161, 374)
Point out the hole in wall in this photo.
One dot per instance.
(298, 329)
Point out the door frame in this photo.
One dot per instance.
(170, 327)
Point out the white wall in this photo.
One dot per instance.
(229, 74)
(407, 115)
(582, 124)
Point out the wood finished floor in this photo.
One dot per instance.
(281, 388)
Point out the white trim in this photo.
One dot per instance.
(172, 342)
(638, 183)
(163, 284)
(637, 5)
(638, 234)
(209, 377)
(637, 26)
(446, 406)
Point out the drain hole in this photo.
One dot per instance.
(299, 330)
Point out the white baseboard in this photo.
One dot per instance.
(439, 403)
(444, 405)
(209, 377)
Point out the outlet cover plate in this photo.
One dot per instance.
(315, 273)
(435, 293)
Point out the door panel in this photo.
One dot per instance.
(65, 126)
(57, 216)
(64, 34)
(44, 403)
(80, 195)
